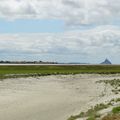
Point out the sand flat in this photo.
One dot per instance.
(50, 97)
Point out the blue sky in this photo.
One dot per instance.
(30, 26)
(86, 31)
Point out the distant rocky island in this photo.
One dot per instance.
(106, 62)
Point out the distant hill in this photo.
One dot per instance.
(106, 62)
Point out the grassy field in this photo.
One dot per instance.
(30, 70)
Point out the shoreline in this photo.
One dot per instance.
(15, 76)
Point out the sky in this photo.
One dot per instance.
(84, 31)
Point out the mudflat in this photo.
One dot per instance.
(54, 97)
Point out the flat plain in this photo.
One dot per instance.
(53, 92)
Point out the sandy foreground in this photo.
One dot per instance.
(51, 97)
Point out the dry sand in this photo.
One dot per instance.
(51, 97)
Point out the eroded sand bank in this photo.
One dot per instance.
(50, 97)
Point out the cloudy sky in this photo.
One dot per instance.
(86, 31)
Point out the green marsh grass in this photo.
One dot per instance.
(43, 70)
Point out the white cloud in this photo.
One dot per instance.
(101, 41)
(73, 12)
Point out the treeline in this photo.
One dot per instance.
(26, 62)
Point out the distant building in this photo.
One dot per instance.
(106, 62)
